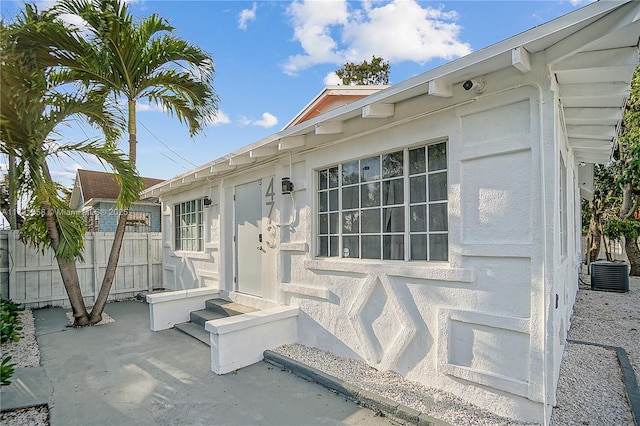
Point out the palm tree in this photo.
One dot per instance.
(132, 60)
(33, 107)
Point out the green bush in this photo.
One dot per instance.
(9, 321)
(9, 332)
(6, 371)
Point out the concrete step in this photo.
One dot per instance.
(226, 308)
(204, 315)
(194, 330)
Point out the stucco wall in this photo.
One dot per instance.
(466, 320)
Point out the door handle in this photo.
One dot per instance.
(259, 238)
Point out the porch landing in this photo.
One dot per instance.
(214, 309)
(237, 334)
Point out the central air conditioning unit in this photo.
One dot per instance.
(610, 276)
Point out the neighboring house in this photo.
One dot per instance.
(433, 227)
(330, 98)
(95, 193)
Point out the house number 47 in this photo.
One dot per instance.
(271, 228)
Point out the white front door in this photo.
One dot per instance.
(248, 236)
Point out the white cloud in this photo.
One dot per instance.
(268, 120)
(145, 107)
(247, 15)
(67, 173)
(397, 30)
(218, 118)
(332, 79)
(580, 2)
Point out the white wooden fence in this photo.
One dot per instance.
(33, 279)
(617, 249)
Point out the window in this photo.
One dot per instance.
(188, 226)
(562, 193)
(391, 206)
(138, 222)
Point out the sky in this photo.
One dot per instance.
(273, 57)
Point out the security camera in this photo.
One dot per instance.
(476, 84)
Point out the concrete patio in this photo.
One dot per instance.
(122, 373)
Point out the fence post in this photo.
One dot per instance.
(94, 253)
(149, 262)
(11, 248)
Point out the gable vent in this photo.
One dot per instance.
(610, 276)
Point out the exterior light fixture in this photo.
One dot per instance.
(206, 201)
(287, 185)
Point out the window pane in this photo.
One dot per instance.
(371, 194)
(350, 247)
(333, 177)
(418, 189)
(437, 157)
(392, 192)
(393, 219)
(438, 217)
(439, 247)
(419, 247)
(438, 186)
(323, 224)
(393, 247)
(417, 162)
(351, 222)
(371, 220)
(334, 247)
(350, 173)
(323, 246)
(333, 200)
(333, 223)
(370, 169)
(322, 202)
(419, 218)
(323, 176)
(350, 197)
(392, 164)
(370, 246)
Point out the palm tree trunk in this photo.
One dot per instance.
(114, 255)
(110, 272)
(132, 131)
(67, 271)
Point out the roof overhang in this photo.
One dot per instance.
(591, 54)
(94, 201)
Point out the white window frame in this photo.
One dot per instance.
(325, 212)
(188, 226)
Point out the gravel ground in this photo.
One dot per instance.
(25, 352)
(590, 389)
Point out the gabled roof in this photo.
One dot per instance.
(590, 55)
(94, 185)
(332, 97)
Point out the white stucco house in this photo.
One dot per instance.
(433, 226)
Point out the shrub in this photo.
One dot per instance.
(9, 321)
(6, 371)
(9, 332)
